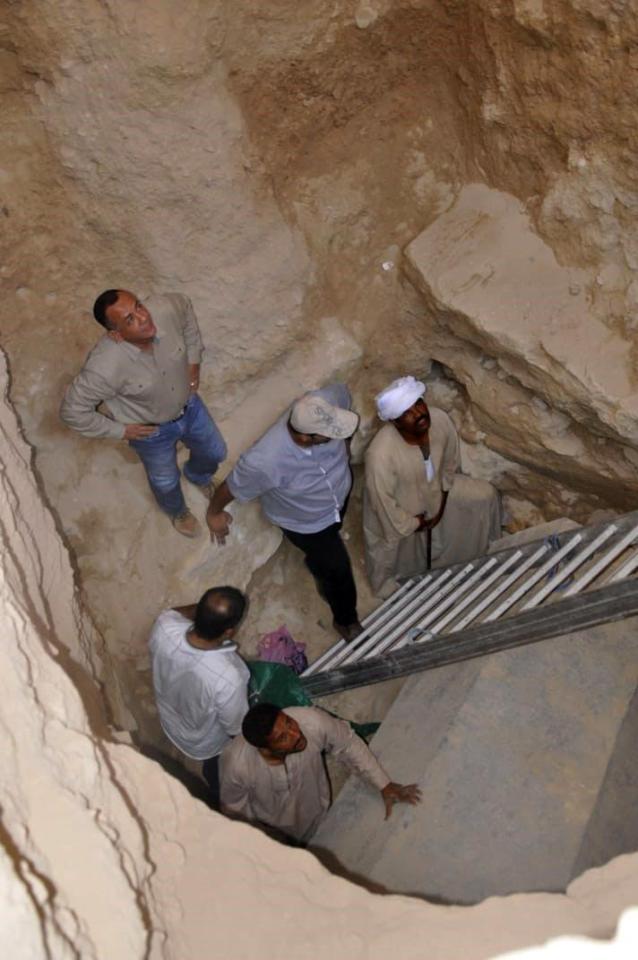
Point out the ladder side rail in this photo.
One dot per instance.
(624, 523)
(603, 605)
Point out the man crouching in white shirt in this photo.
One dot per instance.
(200, 680)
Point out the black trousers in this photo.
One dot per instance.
(210, 773)
(329, 563)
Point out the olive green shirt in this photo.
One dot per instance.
(137, 386)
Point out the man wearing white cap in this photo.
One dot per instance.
(300, 471)
(412, 487)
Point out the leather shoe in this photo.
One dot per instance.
(348, 632)
(187, 525)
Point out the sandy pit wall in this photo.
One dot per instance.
(274, 163)
(102, 855)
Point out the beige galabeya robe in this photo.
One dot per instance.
(397, 489)
(293, 796)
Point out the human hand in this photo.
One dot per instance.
(219, 525)
(193, 376)
(428, 523)
(399, 793)
(137, 431)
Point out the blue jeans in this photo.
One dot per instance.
(197, 430)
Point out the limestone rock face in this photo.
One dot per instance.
(272, 161)
(128, 165)
(103, 856)
(550, 386)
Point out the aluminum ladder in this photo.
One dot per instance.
(515, 596)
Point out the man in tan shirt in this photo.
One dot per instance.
(145, 373)
(274, 774)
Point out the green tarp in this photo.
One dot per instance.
(278, 684)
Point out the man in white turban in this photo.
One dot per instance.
(412, 486)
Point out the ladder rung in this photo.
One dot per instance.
(569, 568)
(501, 588)
(369, 620)
(442, 607)
(362, 644)
(602, 563)
(402, 628)
(527, 585)
(628, 567)
(482, 587)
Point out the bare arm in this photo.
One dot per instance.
(193, 377)
(217, 518)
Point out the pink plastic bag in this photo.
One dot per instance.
(279, 647)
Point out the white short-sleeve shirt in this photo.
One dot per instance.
(201, 695)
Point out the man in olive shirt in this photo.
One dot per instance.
(145, 371)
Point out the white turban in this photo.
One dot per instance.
(398, 397)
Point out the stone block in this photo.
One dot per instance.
(512, 753)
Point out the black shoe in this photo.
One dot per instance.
(349, 632)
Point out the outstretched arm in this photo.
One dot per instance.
(345, 745)
(217, 518)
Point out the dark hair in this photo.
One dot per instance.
(105, 300)
(258, 723)
(219, 609)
